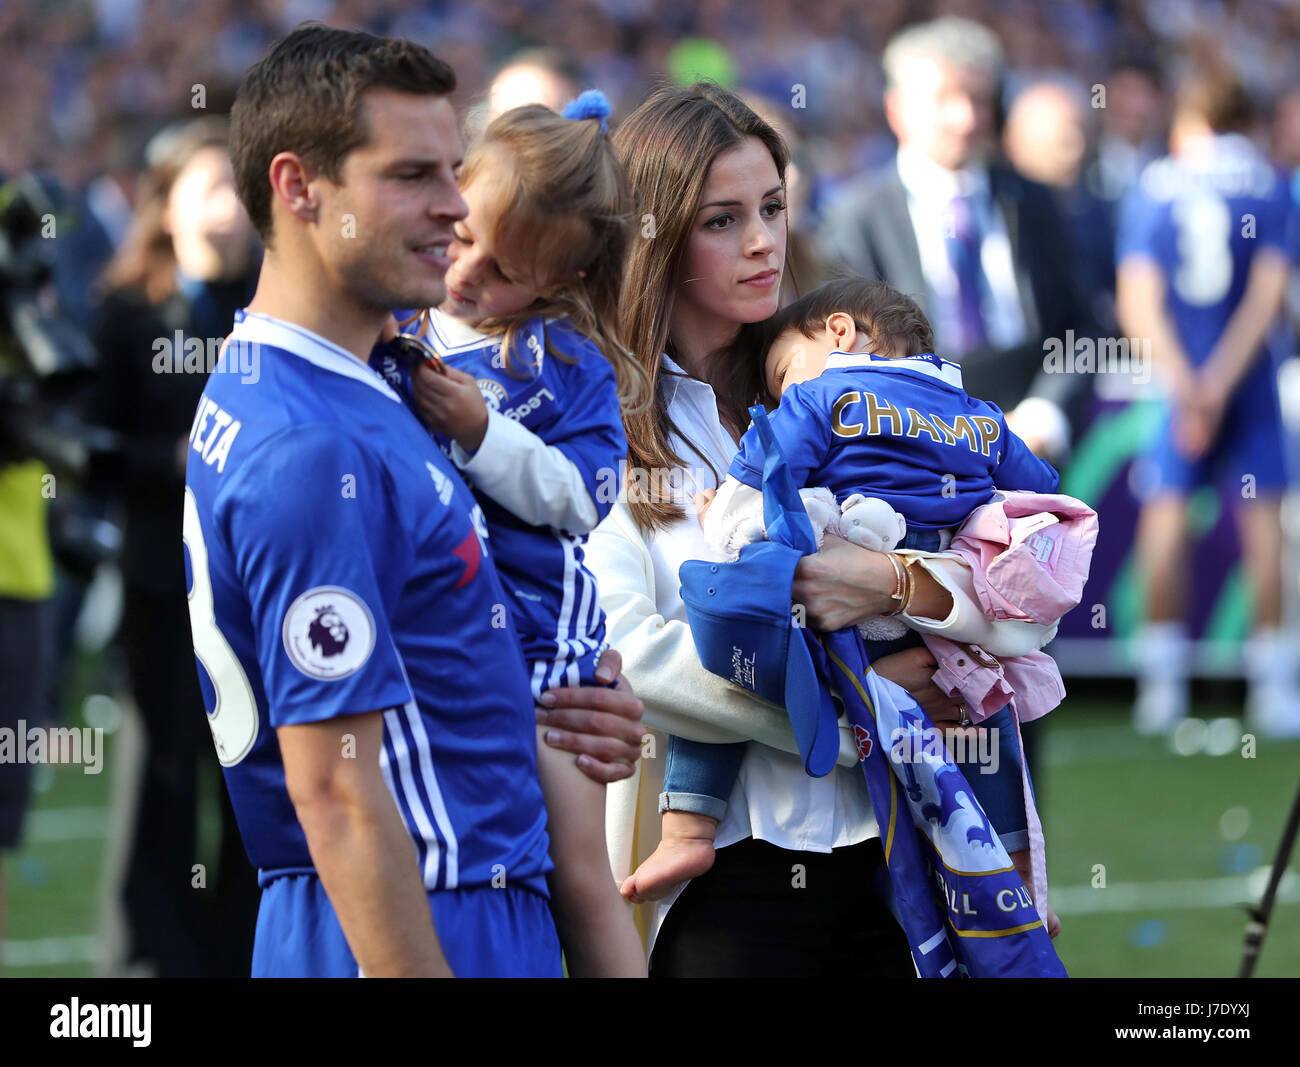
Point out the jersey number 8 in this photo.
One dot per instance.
(234, 715)
(1204, 227)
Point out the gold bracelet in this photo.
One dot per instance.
(900, 584)
(911, 587)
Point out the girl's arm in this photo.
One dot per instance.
(567, 481)
(532, 480)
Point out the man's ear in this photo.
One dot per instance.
(890, 102)
(291, 186)
(844, 330)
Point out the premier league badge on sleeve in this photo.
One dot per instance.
(328, 633)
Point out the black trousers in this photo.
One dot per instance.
(26, 660)
(183, 930)
(767, 912)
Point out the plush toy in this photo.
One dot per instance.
(869, 522)
(865, 521)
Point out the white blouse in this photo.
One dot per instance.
(636, 571)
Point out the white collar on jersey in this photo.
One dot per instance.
(450, 335)
(930, 365)
(255, 328)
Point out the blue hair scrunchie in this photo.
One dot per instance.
(591, 104)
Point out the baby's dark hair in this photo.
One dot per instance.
(894, 321)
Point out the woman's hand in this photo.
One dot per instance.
(913, 669)
(601, 724)
(842, 584)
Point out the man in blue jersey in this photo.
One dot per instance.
(365, 687)
(1203, 264)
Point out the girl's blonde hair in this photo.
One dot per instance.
(565, 228)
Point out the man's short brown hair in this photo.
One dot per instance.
(894, 321)
(305, 97)
(1214, 93)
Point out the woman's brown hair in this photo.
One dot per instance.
(667, 146)
(569, 205)
(145, 265)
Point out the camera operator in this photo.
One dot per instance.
(26, 632)
(42, 356)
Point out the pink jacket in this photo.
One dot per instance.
(1031, 683)
(1029, 554)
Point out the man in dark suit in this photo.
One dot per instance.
(981, 248)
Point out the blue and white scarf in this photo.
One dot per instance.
(958, 898)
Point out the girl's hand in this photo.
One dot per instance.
(450, 404)
(703, 501)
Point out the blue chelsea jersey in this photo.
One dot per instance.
(1202, 218)
(559, 387)
(337, 565)
(903, 430)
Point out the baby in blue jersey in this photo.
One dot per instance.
(519, 375)
(879, 430)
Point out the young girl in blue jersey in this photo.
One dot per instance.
(829, 327)
(524, 396)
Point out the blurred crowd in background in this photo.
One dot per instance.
(96, 78)
(101, 101)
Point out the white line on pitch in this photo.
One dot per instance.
(66, 824)
(1166, 896)
(50, 951)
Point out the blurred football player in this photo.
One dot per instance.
(1203, 257)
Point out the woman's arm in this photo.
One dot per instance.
(842, 585)
(660, 660)
(659, 656)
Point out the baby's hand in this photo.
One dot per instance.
(451, 404)
(704, 501)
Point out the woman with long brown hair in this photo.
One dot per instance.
(790, 892)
